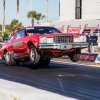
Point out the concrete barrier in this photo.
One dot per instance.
(90, 57)
(4, 95)
(95, 49)
(93, 57)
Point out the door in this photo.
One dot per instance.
(19, 46)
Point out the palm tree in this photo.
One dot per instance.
(43, 17)
(32, 15)
(18, 10)
(39, 17)
(15, 24)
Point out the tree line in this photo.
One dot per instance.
(16, 24)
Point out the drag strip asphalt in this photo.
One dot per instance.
(76, 81)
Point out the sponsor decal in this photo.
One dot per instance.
(88, 57)
(29, 28)
(19, 55)
(17, 44)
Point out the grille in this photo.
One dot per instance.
(62, 39)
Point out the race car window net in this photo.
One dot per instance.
(42, 31)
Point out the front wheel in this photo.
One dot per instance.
(34, 56)
(75, 56)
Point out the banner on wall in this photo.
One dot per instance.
(61, 29)
(73, 29)
(91, 30)
(86, 29)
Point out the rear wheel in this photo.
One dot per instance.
(34, 56)
(75, 56)
(10, 61)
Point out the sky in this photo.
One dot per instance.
(37, 5)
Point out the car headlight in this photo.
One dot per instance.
(43, 39)
(82, 39)
(49, 40)
(76, 39)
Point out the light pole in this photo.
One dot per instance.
(31, 8)
(18, 10)
(3, 16)
(26, 12)
(47, 12)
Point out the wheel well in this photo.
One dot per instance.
(78, 51)
(29, 44)
(5, 51)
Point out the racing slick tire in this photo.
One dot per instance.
(10, 61)
(75, 56)
(44, 63)
(34, 56)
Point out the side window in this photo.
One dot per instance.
(50, 30)
(20, 34)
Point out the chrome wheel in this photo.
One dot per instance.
(7, 57)
(32, 55)
(10, 61)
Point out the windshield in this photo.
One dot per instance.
(42, 30)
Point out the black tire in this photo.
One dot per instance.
(44, 63)
(34, 56)
(75, 56)
(10, 61)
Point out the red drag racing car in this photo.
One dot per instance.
(39, 44)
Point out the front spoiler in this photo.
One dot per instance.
(63, 46)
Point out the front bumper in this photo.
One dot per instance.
(63, 46)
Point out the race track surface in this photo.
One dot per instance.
(75, 81)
